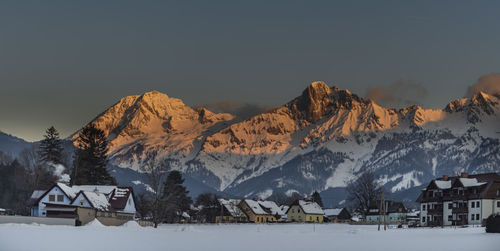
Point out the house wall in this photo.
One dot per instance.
(316, 218)
(447, 212)
(423, 214)
(54, 191)
(296, 214)
(396, 217)
(474, 211)
(85, 215)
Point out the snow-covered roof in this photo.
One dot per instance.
(95, 188)
(98, 200)
(271, 205)
(2, 210)
(284, 208)
(255, 206)
(332, 211)
(443, 184)
(232, 207)
(471, 182)
(37, 193)
(71, 192)
(264, 207)
(310, 207)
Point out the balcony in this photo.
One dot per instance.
(460, 210)
(435, 210)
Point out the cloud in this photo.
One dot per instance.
(489, 83)
(242, 111)
(399, 94)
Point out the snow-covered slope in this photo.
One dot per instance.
(319, 141)
(154, 122)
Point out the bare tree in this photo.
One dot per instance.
(156, 170)
(363, 192)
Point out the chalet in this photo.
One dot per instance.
(112, 205)
(395, 213)
(258, 211)
(460, 200)
(305, 211)
(337, 215)
(230, 211)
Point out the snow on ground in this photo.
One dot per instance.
(20, 237)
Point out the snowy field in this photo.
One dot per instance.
(243, 237)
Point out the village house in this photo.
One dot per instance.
(259, 211)
(460, 200)
(111, 205)
(305, 211)
(337, 215)
(231, 213)
(395, 213)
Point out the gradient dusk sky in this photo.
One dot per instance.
(64, 62)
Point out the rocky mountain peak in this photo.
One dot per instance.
(473, 107)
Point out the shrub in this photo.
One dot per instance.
(493, 224)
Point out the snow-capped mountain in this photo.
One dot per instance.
(321, 140)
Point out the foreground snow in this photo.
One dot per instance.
(242, 237)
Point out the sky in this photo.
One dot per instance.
(64, 62)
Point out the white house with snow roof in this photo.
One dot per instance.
(111, 204)
(460, 200)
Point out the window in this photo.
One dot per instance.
(477, 216)
(450, 217)
(52, 197)
(60, 198)
(81, 202)
(498, 203)
(423, 207)
(477, 204)
(472, 216)
(450, 206)
(317, 218)
(472, 204)
(423, 219)
(129, 202)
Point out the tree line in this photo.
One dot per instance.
(44, 164)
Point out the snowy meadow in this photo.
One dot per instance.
(17, 237)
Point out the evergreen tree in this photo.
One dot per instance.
(317, 198)
(89, 165)
(210, 207)
(50, 150)
(175, 197)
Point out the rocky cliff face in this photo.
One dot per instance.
(318, 141)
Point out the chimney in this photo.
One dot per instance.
(445, 177)
(464, 175)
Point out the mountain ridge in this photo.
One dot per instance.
(328, 123)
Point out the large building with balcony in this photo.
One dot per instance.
(460, 200)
